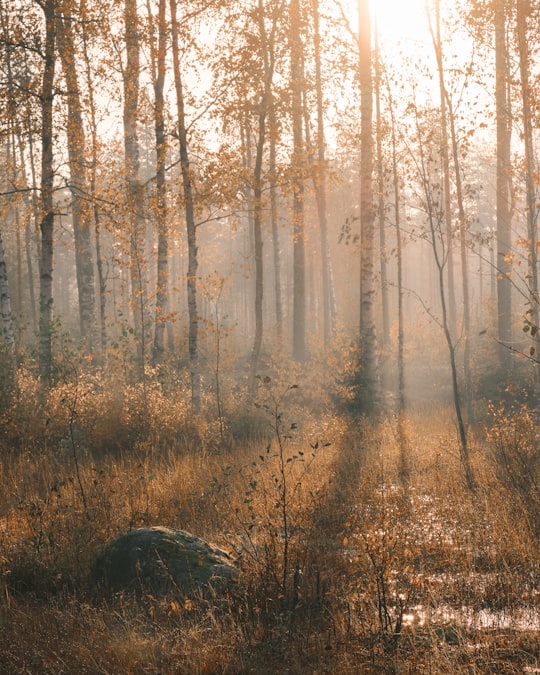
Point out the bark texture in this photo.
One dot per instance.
(47, 207)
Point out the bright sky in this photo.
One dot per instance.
(400, 21)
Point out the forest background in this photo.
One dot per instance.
(234, 225)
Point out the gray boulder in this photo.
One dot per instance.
(160, 560)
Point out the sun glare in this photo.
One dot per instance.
(400, 21)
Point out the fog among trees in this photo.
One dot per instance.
(278, 172)
(230, 229)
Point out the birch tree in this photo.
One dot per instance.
(404, 446)
(158, 54)
(438, 48)
(191, 227)
(449, 137)
(86, 35)
(504, 210)
(5, 303)
(297, 167)
(432, 201)
(319, 179)
(134, 191)
(381, 206)
(267, 58)
(531, 208)
(78, 184)
(49, 8)
(368, 335)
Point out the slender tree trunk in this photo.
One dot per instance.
(19, 305)
(274, 217)
(249, 244)
(447, 119)
(5, 303)
(47, 207)
(134, 191)
(437, 45)
(13, 136)
(319, 179)
(81, 213)
(31, 207)
(32, 238)
(31, 125)
(404, 446)
(504, 210)
(162, 294)
(299, 274)
(370, 396)
(467, 367)
(258, 246)
(102, 279)
(30, 272)
(190, 221)
(441, 259)
(531, 210)
(102, 283)
(381, 209)
(464, 445)
(265, 105)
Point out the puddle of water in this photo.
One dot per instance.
(525, 619)
(433, 524)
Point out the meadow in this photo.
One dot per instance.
(347, 565)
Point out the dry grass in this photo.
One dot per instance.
(376, 576)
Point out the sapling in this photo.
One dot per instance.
(269, 515)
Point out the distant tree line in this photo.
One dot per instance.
(271, 169)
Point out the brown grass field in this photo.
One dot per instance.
(346, 567)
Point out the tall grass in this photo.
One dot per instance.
(344, 568)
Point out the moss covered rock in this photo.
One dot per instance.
(160, 560)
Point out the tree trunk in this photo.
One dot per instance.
(437, 45)
(467, 368)
(249, 244)
(19, 306)
(102, 280)
(440, 255)
(504, 211)
(448, 120)
(258, 246)
(404, 447)
(32, 238)
(81, 213)
(265, 105)
(134, 191)
(190, 222)
(5, 303)
(158, 73)
(29, 230)
(14, 143)
(319, 179)
(47, 207)
(381, 203)
(371, 394)
(297, 164)
(276, 248)
(531, 209)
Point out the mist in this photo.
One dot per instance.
(269, 356)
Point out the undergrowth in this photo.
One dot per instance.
(345, 565)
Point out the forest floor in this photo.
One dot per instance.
(346, 565)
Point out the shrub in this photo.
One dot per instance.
(514, 437)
